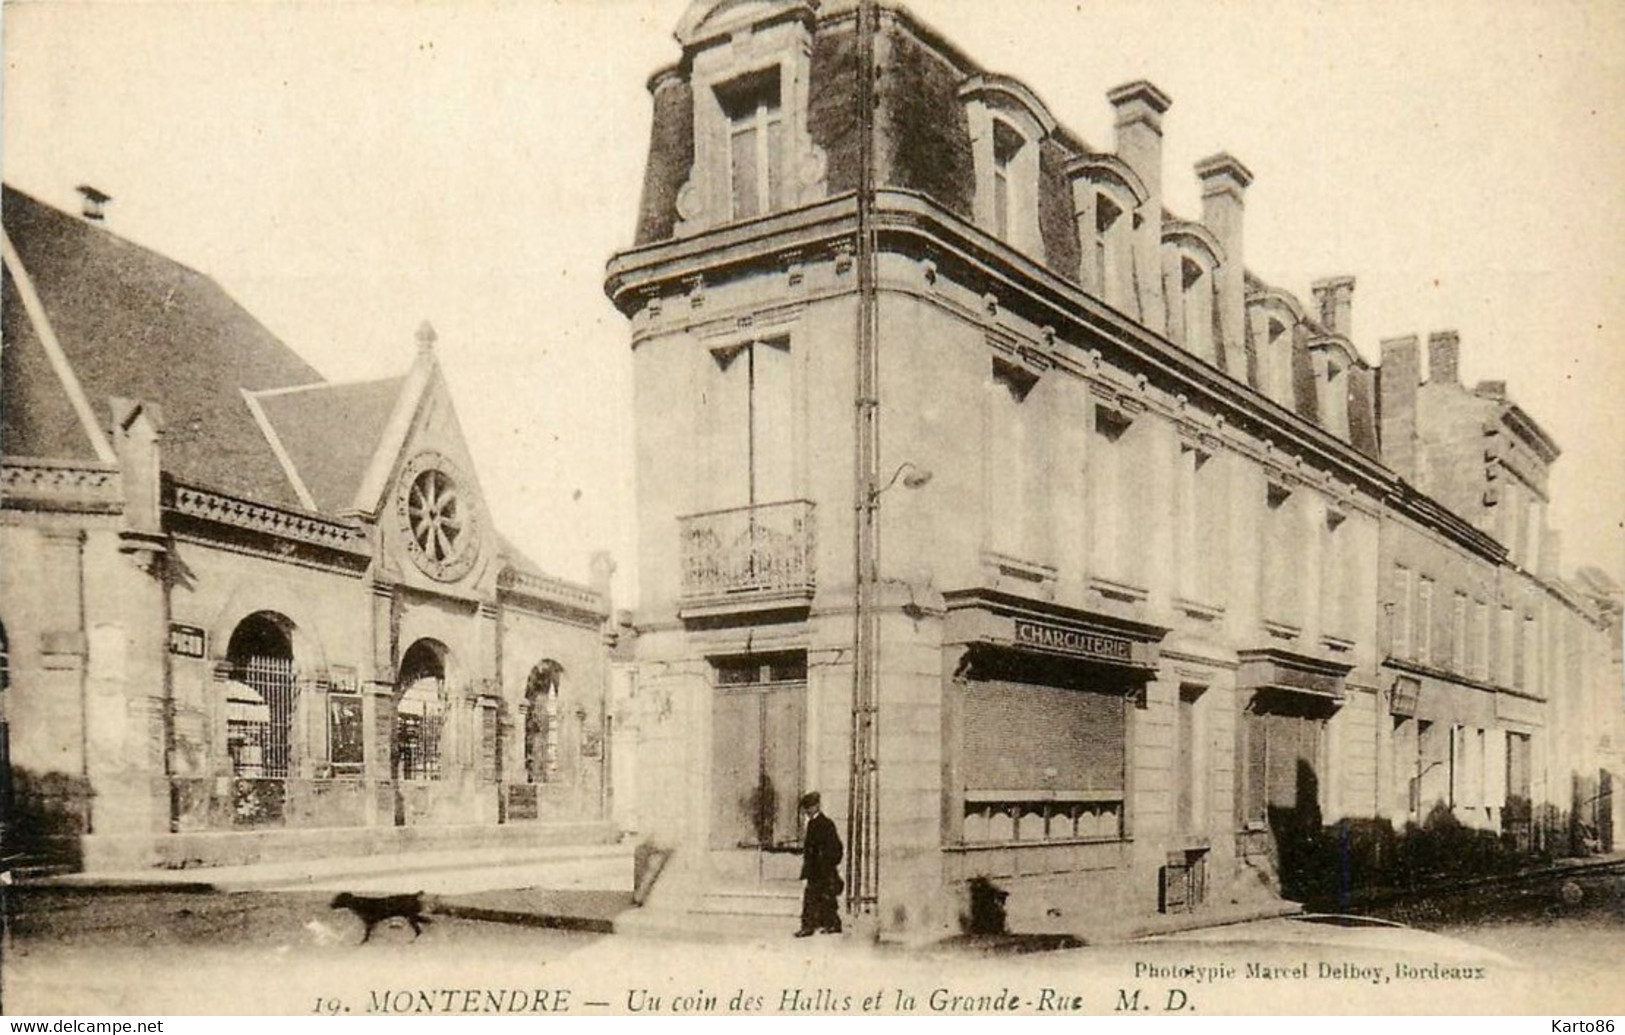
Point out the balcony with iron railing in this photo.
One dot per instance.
(748, 558)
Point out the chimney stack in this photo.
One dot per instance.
(1334, 301)
(1140, 107)
(1444, 356)
(92, 202)
(1397, 379)
(1224, 186)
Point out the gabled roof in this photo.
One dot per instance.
(330, 434)
(37, 413)
(131, 323)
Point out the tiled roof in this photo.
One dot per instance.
(330, 433)
(135, 324)
(36, 416)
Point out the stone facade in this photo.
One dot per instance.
(249, 614)
(1134, 607)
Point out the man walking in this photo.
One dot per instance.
(820, 862)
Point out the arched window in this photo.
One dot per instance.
(420, 711)
(1107, 197)
(542, 723)
(1008, 196)
(5, 661)
(1275, 320)
(1191, 255)
(1008, 125)
(260, 696)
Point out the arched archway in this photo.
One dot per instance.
(260, 696)
(420, 709)
(542, 722)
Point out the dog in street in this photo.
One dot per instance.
(373, 910)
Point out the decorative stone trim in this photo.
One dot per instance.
(552, 590)
(1007, 572)
(1197, 609)
(258, 517)
(1281, 630)
(1115, 590)
(28, 483)
(1337, 644)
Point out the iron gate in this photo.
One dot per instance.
(260, 716)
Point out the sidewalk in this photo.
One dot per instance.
(442, 873)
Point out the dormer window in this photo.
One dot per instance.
(1197, 300)
(1273, 317)
(1106, 199)
(1337, 399)
(1332, 361)
(755, 143)
(1190, 255)
(1112, 251)
(749, 67)
(1007, 125)
(1007, 145)
(1278, 362)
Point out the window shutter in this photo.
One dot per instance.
(1025, 737)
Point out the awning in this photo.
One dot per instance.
(245, 704)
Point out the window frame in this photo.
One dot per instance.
(760, 114)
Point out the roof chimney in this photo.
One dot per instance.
(1140, 107)
(1224, 184)
(1334, 299)
(1444, 354)
(1396, 406)
(92, 202)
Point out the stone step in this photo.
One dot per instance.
(765, 900)
(187, 849)
(695, 926)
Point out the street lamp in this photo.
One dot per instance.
(916, 477)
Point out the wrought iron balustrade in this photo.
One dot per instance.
(766, 552)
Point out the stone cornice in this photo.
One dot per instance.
(1533, 434)
(1407, 500)
(910, 222)
(914, 221)
(554, 595)
(288, 525)
(78, 486)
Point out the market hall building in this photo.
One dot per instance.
(250, 614)
(1140, 524)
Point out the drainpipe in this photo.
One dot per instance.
(863, 814)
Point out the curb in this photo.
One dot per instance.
(514, 918)
(227, 883)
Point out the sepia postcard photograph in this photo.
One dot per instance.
(812, 507)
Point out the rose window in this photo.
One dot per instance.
(435, 514)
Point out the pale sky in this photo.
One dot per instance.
(348, 171)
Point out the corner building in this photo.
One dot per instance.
(1128, 576)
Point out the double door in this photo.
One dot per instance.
(757, 733)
